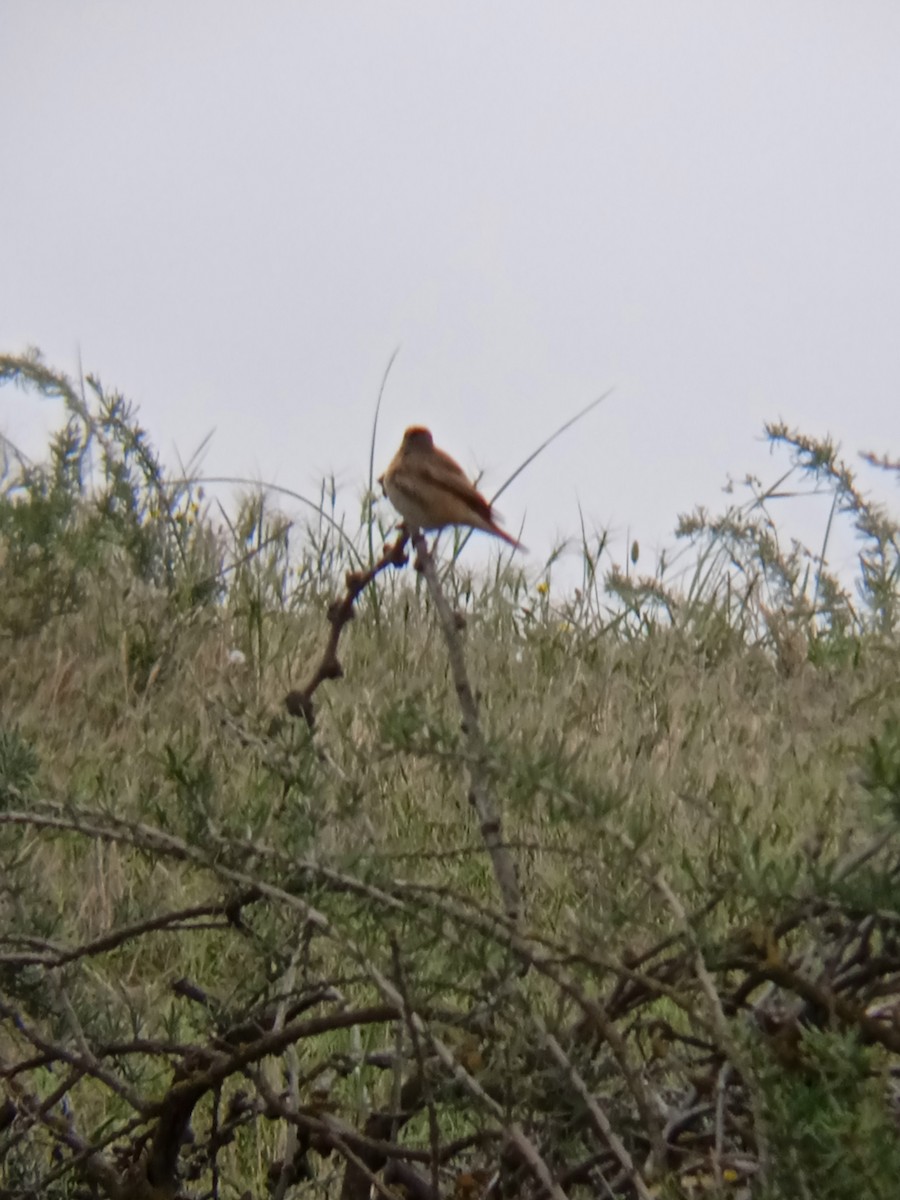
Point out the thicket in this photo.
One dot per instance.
(487, 892)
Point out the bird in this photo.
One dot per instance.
(430, 490)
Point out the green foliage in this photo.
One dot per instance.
(699, 761)
(741, 561)
(881, 767)
(100, 501)
(18, 767)
(407, 725)
(830, 1133)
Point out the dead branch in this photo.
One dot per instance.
(477, 757)
(299, 703)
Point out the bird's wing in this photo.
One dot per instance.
(445, 472)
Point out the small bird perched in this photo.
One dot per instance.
(430, 491)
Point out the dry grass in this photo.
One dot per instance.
(186, 876)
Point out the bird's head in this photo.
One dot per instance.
(417, 437)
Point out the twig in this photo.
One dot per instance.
(335, 1138)
(434, 1135)
(292, 1091)
(299, 703)
(477, 758)
(720, 1024)
(97, 1167)
(178, 921)
(722, 1079)
(598, 1116)
(538, 1166)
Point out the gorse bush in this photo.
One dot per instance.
(18, 766)
(101, 496)
(744, 572)
(610, 908)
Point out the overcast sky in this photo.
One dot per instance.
(234, 213)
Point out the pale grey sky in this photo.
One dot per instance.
(235, 212)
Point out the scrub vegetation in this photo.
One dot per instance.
(286, 917)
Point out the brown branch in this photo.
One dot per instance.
(825, 1004)
(299, 702)
(85, 1063)
(599, 1118)
(381, 1127)
(323, 1126)
(421, 1075)
(477, 757)
(97, 1167)
(183, 919)
(174, 1111)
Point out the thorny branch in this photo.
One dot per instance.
(299, 702)
(574, 1120)
(477, 756)
(606, 1099)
